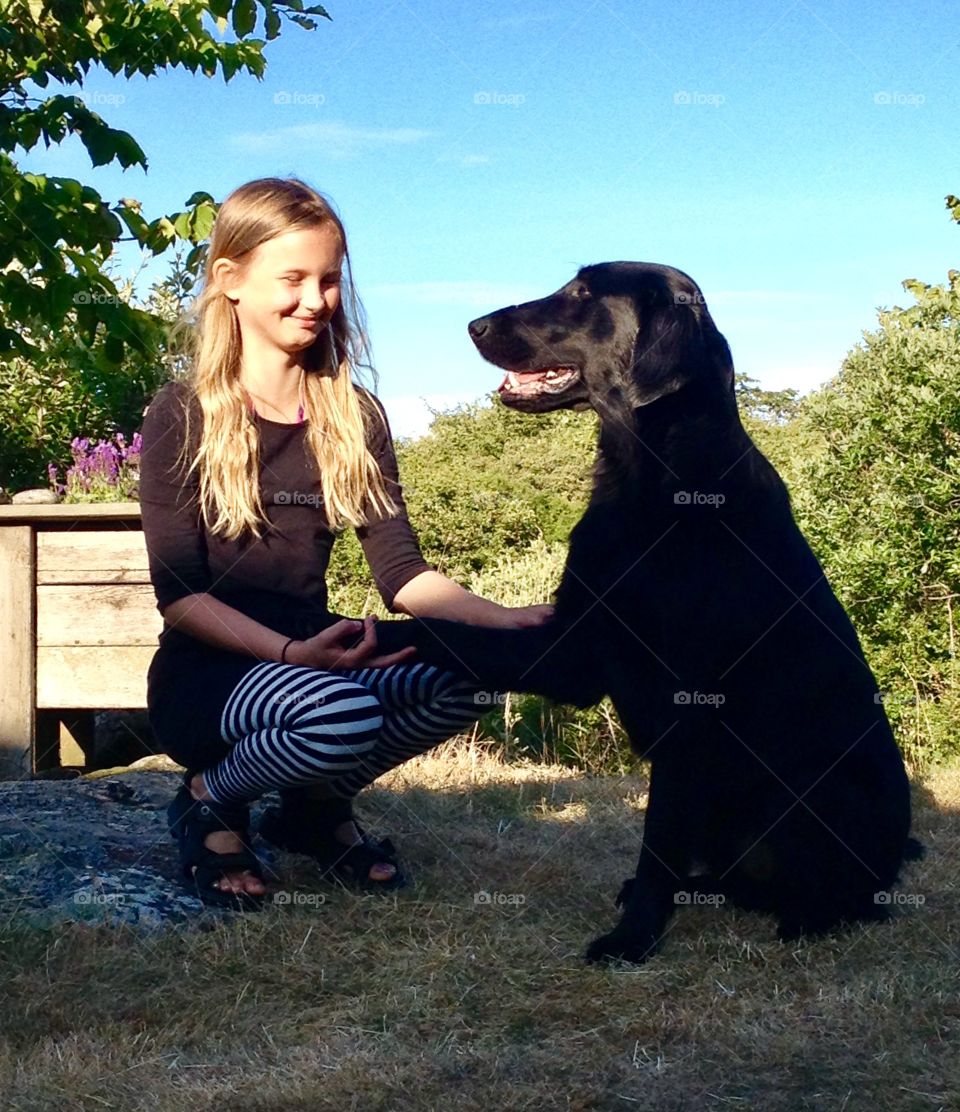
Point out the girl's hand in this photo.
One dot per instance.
(338, 648)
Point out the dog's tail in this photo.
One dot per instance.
(913, 850)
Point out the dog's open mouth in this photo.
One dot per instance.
(532, 384)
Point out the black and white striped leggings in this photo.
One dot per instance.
(289, 725)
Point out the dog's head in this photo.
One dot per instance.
(617, 335)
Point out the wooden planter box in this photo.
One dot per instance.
(78, 625)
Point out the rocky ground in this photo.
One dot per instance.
(95, 848)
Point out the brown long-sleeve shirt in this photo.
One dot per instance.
(283, 573)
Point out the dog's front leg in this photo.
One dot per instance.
(543, 660)
(650, 897)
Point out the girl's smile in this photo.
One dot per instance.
(286, 292)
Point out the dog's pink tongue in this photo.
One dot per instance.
(516, 380)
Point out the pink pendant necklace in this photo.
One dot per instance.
(300, 407)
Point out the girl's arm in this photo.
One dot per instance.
(432, 595)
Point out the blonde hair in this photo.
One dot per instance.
(337, 410)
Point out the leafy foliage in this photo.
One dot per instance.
(775, 407)
(488, 480)
(879, 501)
(69, 388)
(483, 484)
(77, 354)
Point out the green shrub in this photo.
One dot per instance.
(873, 463)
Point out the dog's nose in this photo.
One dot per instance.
(478, 327)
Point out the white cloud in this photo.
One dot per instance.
(332, 138)
(482, 295)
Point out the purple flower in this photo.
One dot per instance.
(78, 448)
(52, 472)
(108, 464)
(104, 459)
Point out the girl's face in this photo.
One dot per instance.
(289, 289)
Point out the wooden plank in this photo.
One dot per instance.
(17, 653)
(113, 678)
(96, 615)
(64, 513)
(85, 556)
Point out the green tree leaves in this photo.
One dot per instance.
(877, 489)
(70, 337)
(244, 17)
(56, 230)
(482, 486)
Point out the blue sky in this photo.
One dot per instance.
(792, 158)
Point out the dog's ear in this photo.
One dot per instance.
(676, 343)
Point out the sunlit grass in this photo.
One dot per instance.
(467, 990)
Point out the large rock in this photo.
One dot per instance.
(39, 496)
(96, 849)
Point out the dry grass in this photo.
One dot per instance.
(428, 1000)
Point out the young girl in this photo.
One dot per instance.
(248, 467)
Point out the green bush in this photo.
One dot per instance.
(873, 463)
(487, 481)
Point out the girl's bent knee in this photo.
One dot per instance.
(350, 712)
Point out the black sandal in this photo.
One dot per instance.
(305, 825)
(190, 820)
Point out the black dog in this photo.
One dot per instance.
(692, 599)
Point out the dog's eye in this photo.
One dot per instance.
(579, 292)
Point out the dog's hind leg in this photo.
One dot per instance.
(650, 898)
(839, 854)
